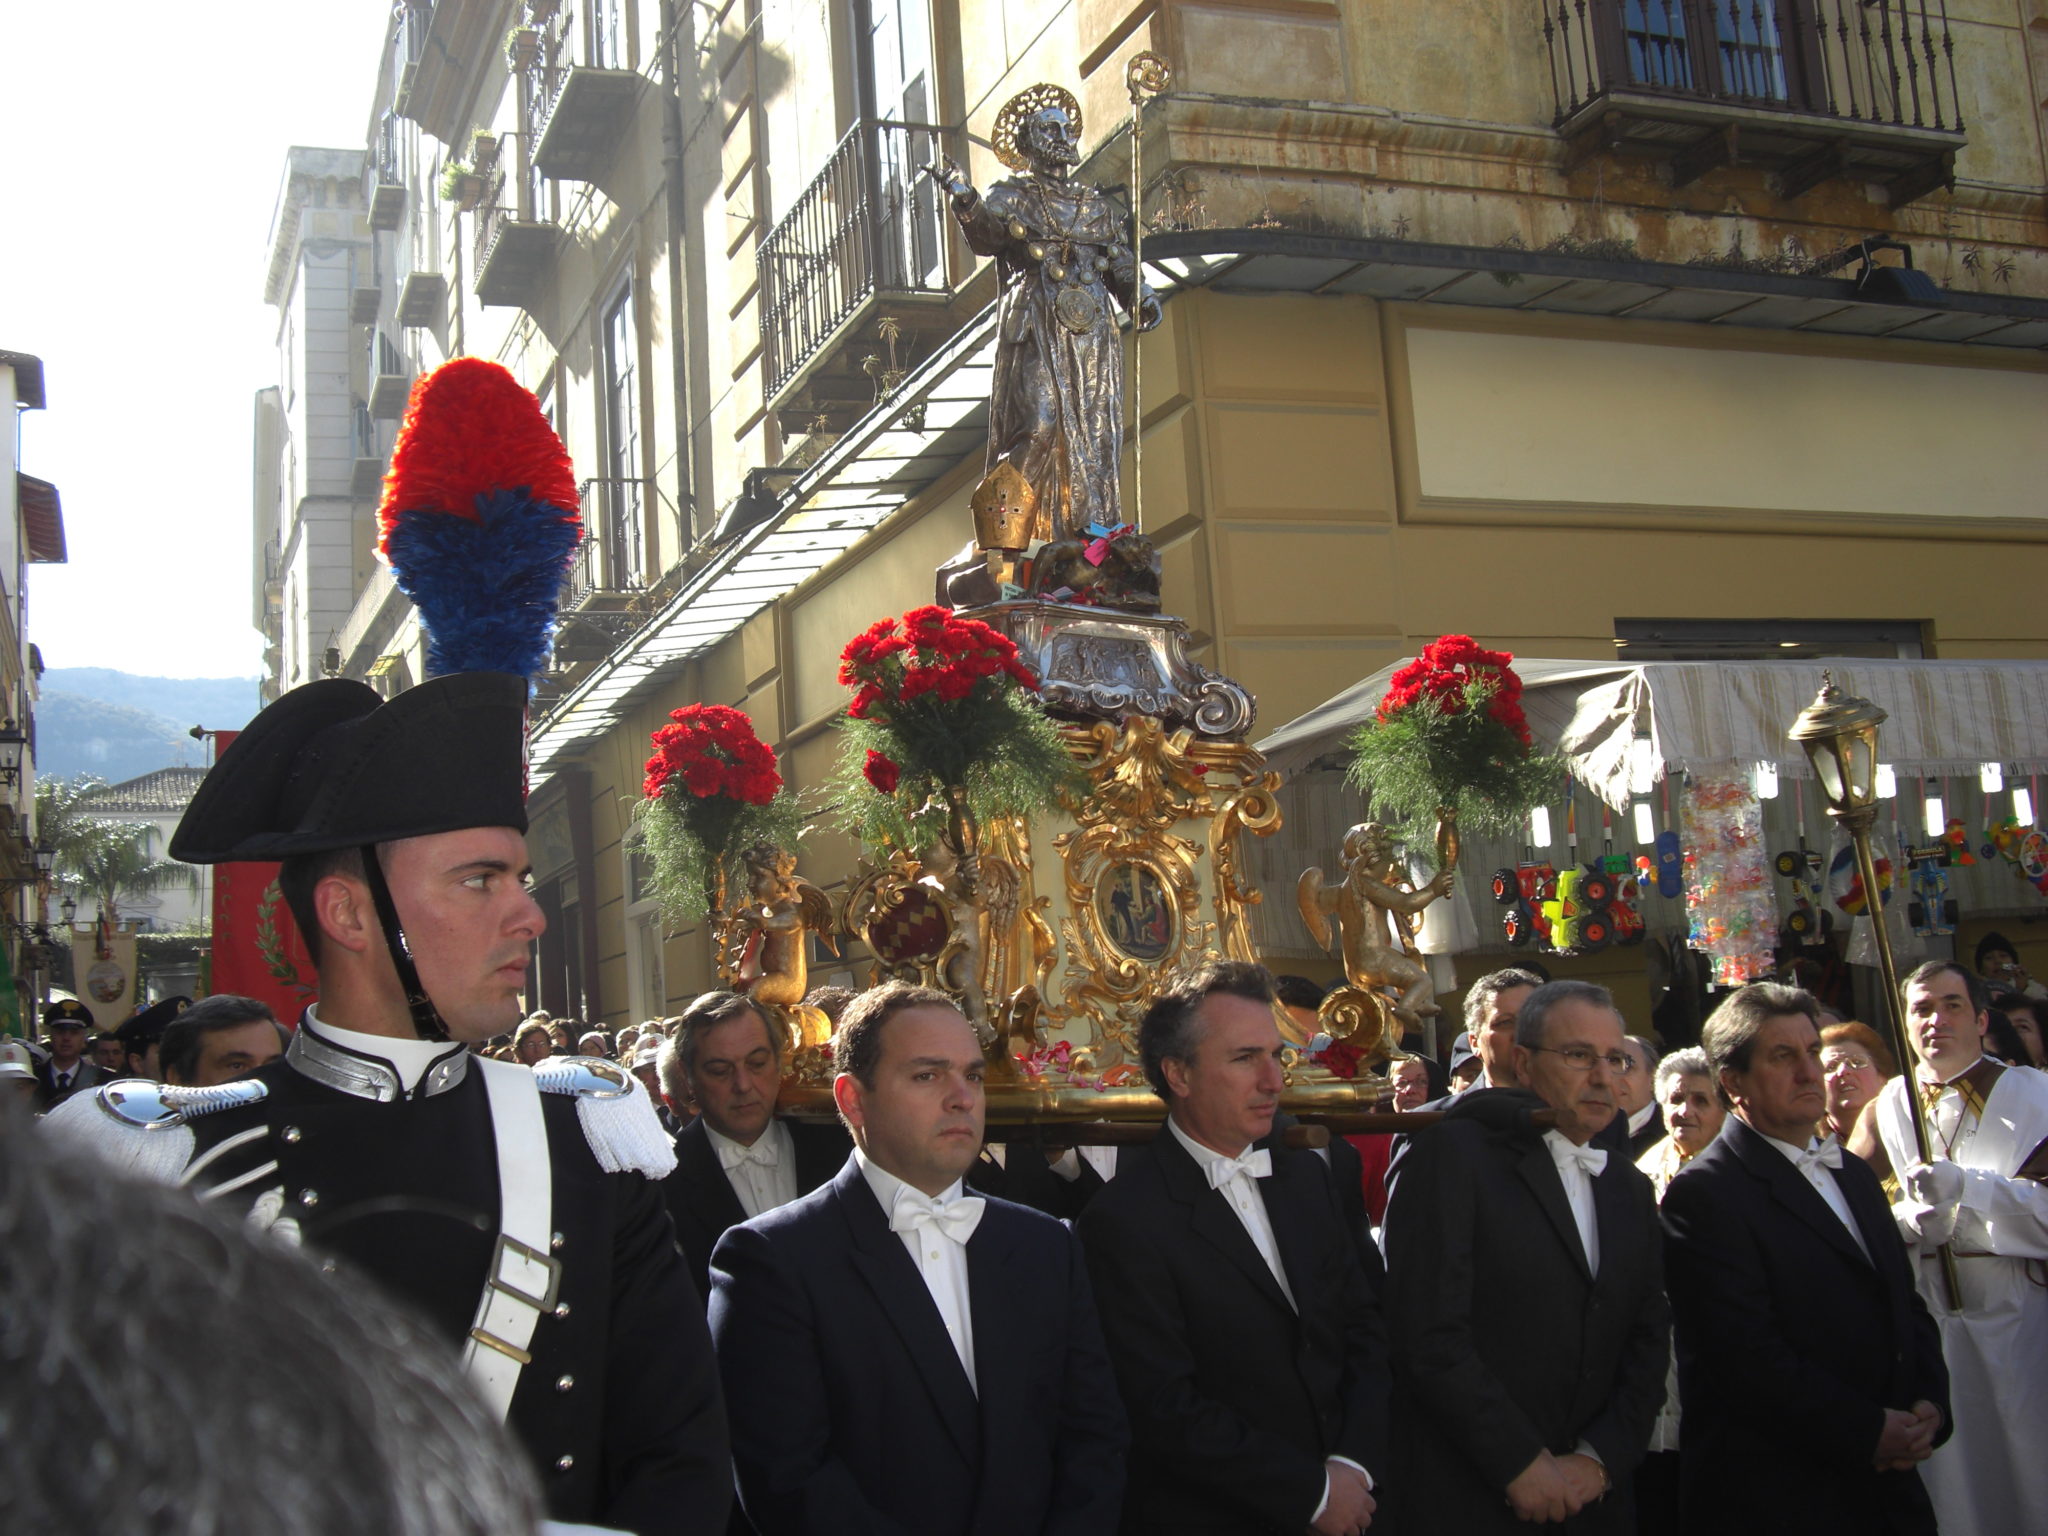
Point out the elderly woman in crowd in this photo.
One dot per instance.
(1857, 1063)
(1693, 1114)
(1692, 1110)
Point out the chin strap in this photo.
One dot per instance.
(426, 1020)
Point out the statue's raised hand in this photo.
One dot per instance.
(947, 173)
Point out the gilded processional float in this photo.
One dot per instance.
(1051, 795)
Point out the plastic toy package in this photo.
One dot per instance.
(1731, 908)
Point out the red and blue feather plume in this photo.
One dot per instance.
(479, 519)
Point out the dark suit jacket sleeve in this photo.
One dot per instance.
(1368, 1384)
(1202, 1441)
(668, 1468)
(1430, 1297)
(1722, 1300)
(790, 1483)
(1088, 1492)
(1928, 1367)
(1621, 1431)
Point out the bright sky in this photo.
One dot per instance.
(142, 155)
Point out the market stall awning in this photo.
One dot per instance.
(1624, 727)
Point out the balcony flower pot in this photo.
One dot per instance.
(461, 186)
(522, 45)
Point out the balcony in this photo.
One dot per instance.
(1862, 91)
(582, 98)
(512, 254)
(388, 395)
(387, 204)
(870, 239)
(423, 301)
(603, 594)
(363, 304)
(366, 475)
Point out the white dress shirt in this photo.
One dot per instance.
(1576, 1166)
(409, 1058)
(940, 1256)
(1241, 1192)
(1641, 1118)
(763, 1176)
(1815, 1172)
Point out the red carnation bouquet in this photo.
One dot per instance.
(942, 709)
(712, 790)
(1450, 737)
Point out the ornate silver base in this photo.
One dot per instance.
(1100, 664)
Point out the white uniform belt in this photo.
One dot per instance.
(524, 1278)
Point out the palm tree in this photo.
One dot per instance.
(97, 855)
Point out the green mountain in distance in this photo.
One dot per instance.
(117, 725)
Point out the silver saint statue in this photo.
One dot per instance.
(1063, 250)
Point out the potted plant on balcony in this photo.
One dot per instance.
(483, 151)
(461, 186)
(522, 44)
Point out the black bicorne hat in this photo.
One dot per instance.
(332, 765)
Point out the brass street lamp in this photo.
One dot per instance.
(1839, 732)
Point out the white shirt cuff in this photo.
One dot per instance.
(1342, 1461)
(1068, 1164)
(1585, 1448)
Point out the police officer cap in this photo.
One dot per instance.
(67, 1013)
(332, 765)
(146, 1028)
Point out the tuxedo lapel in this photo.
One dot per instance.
(1212, 1219)
(885, 1265)
(1540, 1173)
(1791, 1190)
(707, 1187)
(1611, 1218)
(1284, 1195)
(996, 1309)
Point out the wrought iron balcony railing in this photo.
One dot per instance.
(513, 249)
(1809, 89)
(870, 224)
(579, 88)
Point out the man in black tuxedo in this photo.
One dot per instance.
(1810, 1377)
(735, 1158)
(1245, 1336)
(901, 1356)
(1525, 1294)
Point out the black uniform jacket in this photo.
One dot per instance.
(700, 1197)
(620, 1408)
(851, 1412)
(1791, 1344)
(1504, 1344)
(1235, 1397)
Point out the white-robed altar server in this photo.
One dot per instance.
(1984, 1194)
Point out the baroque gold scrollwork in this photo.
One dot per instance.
(1139, 906)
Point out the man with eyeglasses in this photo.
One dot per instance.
(1810, 1376)
(1538, 1410)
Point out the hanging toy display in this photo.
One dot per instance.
(1733, 914)
(1845, 885)
(1933, 914)
(1809, 921)
(1670, 857)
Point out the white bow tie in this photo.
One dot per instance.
(956, 1219)
(1255, 1164)
(1827, 1155)
(1564, 1153)
(762, 1154)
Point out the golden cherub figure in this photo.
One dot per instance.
(1373, 904)
(782, 908)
